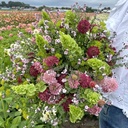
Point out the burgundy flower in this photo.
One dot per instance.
(19, 80)
(44, 96)
(60, 78)
(33, 72)
(85, 80)
(93, 51)
(31, 56)
(83, 26)
(66, 104)
(51, 61)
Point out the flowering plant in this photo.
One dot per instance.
(54, 76)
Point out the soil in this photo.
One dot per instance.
(85, 123)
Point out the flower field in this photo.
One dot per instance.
(53, 68)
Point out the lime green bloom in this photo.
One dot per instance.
(76, 113)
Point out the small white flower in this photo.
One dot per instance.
(64, 90)
(36, 31)
(64, 80)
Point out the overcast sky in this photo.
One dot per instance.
(68, 3)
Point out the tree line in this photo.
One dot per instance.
(11, 4)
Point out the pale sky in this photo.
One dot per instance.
(68, 3)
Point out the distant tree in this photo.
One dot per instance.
(3, 4)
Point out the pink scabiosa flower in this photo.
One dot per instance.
(93, 51)
(84, 80)
(83, 26)
(55, 88)
(95, 110)
(51, 61)
(38, 67)
(73, 81)
(49, 77)
(10, 34)
(35, 69)
(108, 84)
(1, 38)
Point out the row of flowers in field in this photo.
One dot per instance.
(16, 17)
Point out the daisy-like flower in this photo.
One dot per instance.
(108, 84)
(51, 61)
(93, 51)
(83, 26)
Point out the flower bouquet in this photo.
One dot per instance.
(54, 76)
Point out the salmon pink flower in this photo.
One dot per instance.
(108, 84)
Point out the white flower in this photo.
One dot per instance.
(36, 31)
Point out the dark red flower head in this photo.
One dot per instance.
(67, 103)
(83, 26)
(33, 72)
(85, 80)
(51, 61)
(93, 51)
(44, 96)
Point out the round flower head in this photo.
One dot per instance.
(83, 26)
(51, 61)
(108, 84)
(93, 51)
(84, 80)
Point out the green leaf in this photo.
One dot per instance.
(16, 121)
(22, 124)
(39, 126)
(8, 100)
(1, 122)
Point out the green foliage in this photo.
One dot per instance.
(41, 43)
(99, 68)
(25, 89)
(74, 51)
(90, 96)
(76, 113)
